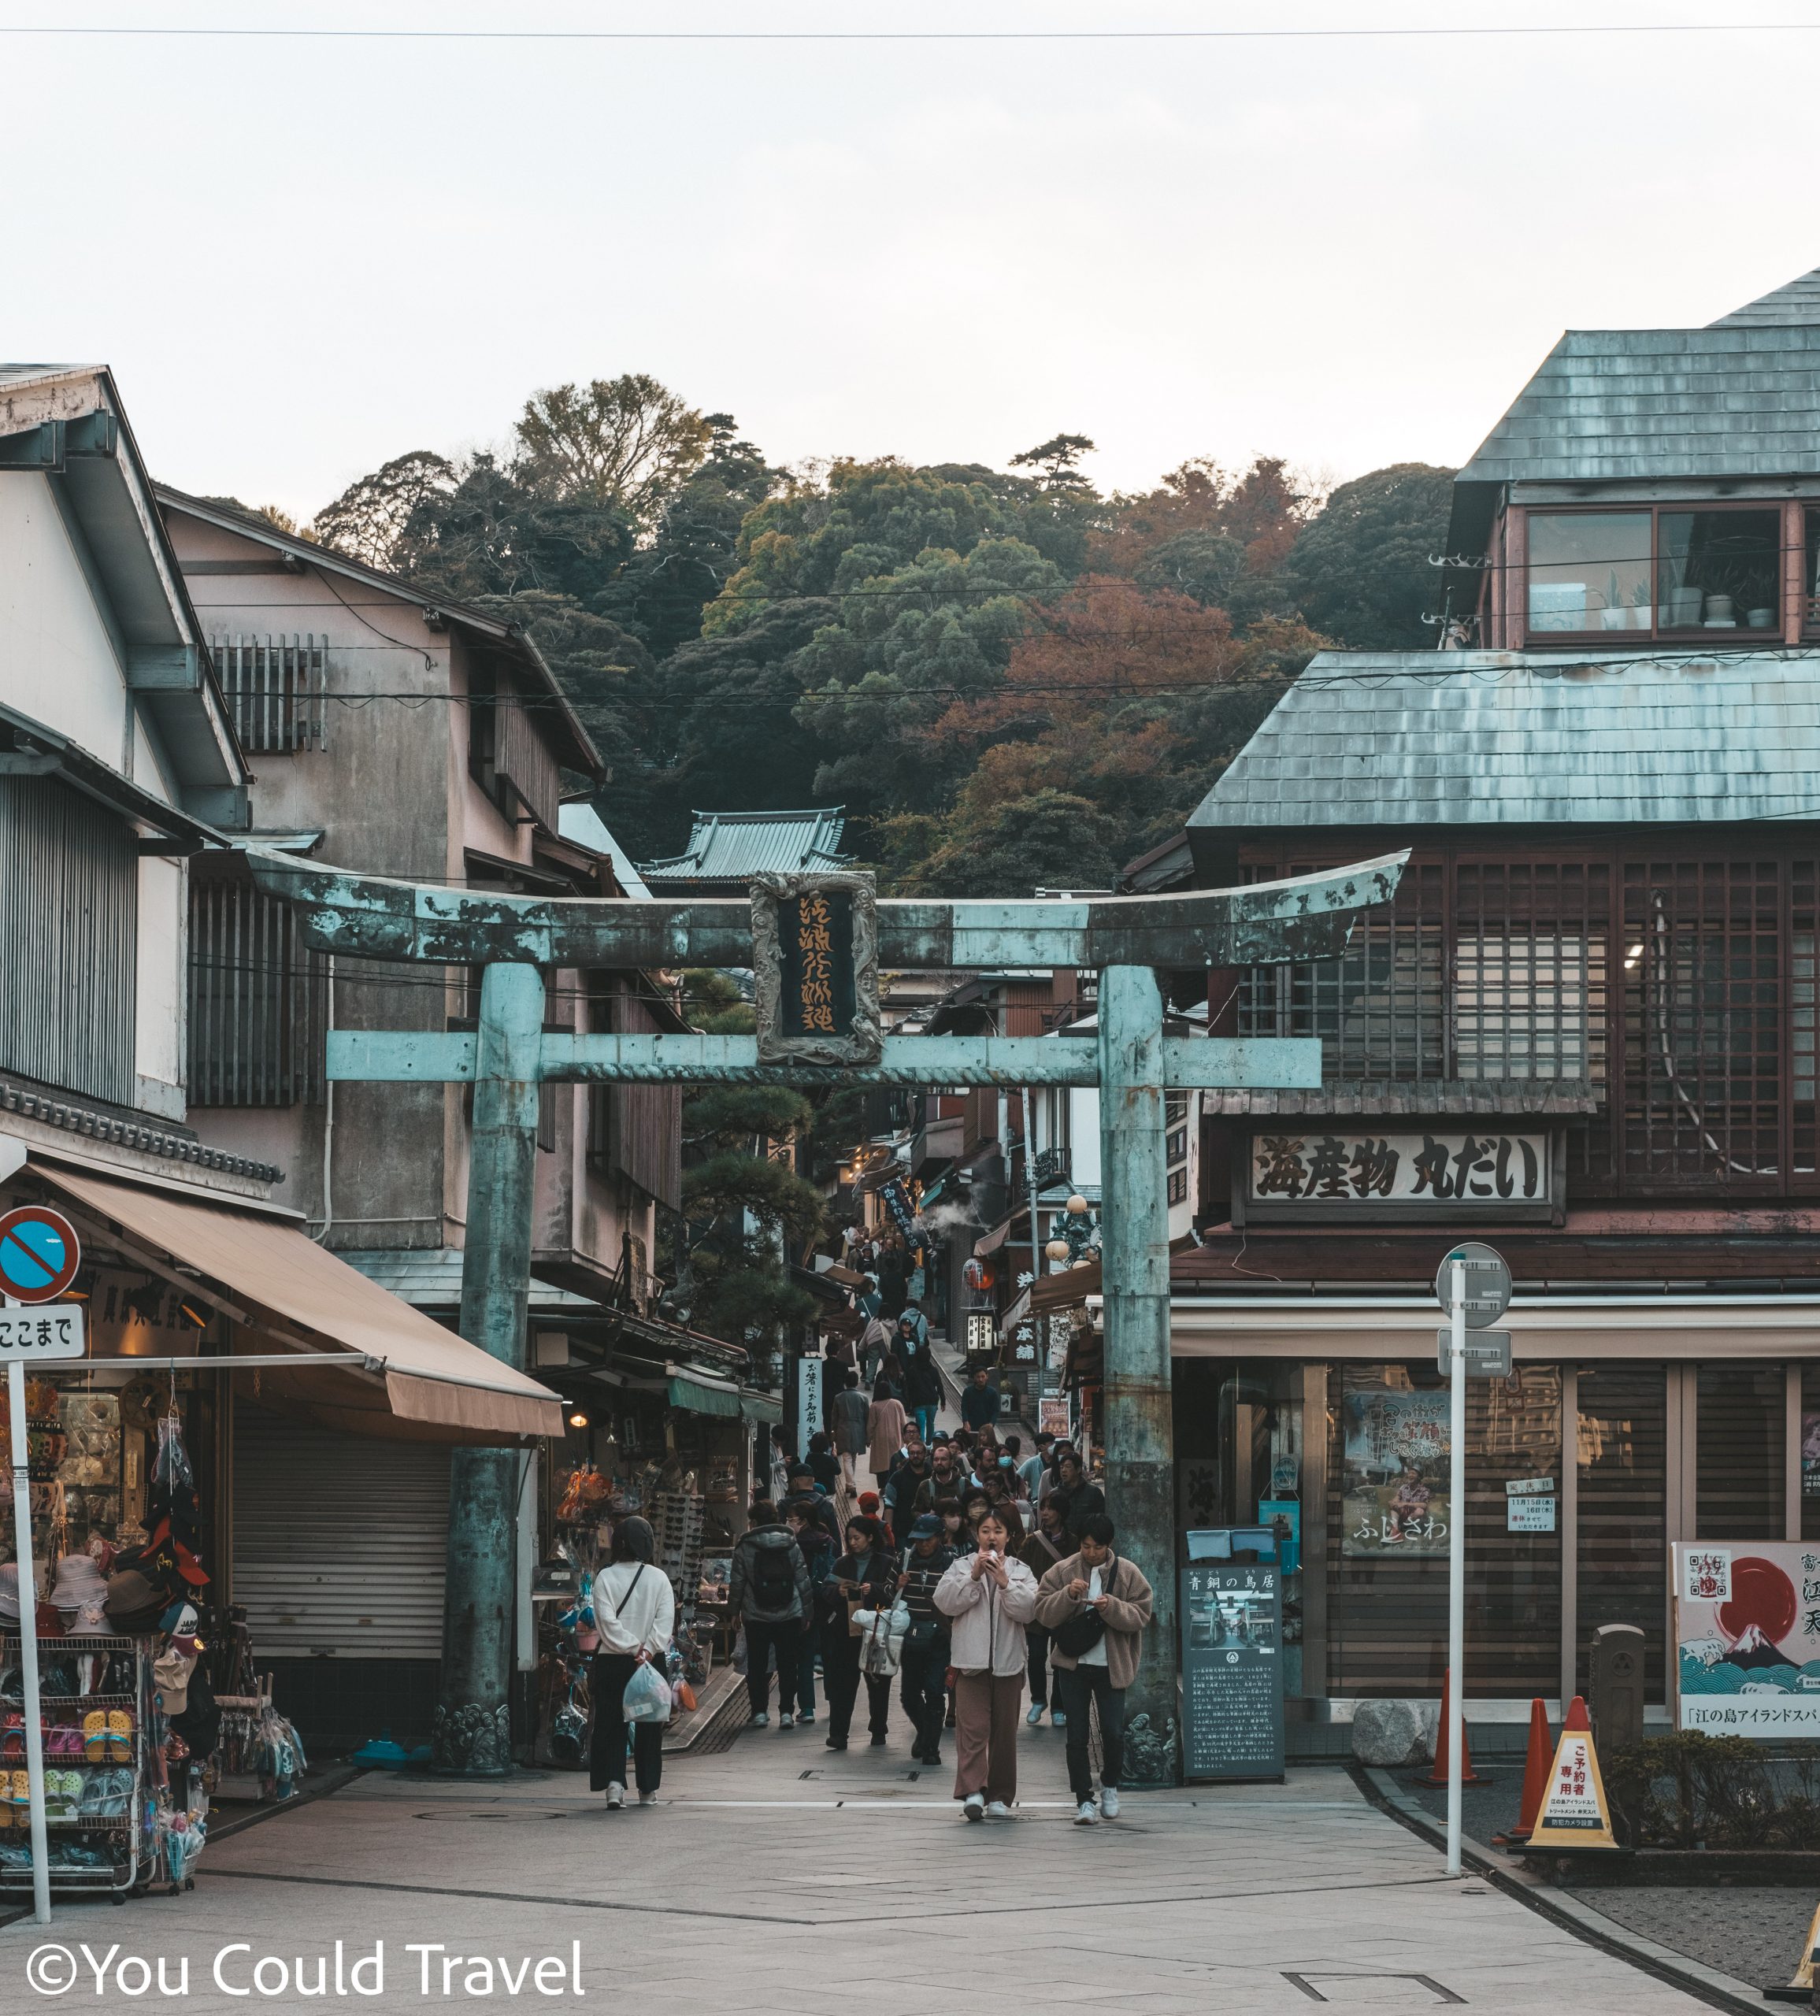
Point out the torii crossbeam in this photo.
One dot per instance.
(1127, 938)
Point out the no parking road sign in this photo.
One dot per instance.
(39, 1253)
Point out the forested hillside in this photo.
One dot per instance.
(1007, 677)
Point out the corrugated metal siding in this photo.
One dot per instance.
(69, 922)
(522, 757)
(255, 1001)
(338, 1540)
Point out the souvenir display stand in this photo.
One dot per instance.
(102, 1810)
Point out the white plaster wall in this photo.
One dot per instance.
(56, 661)
(158, 1058)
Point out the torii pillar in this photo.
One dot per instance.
(1127, 940)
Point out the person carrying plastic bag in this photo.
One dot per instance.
(635, 1610)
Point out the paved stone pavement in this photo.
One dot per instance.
(1740, 1929)
(779, 1876)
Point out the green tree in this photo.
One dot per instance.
(743, 1210)
(1058, 459)
(1360, 572)
(627, 441)
(367, 521)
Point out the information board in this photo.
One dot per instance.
(1232, 1617)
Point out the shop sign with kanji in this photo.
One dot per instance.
(1305, 1172)
(815, 969)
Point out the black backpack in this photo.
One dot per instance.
(773, 1579)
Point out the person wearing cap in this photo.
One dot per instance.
(923, 1668)
(635, 1610)
(922, 1382)
(815, 1505)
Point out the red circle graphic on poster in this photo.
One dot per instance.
(1762, 1595)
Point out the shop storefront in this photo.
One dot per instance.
(316, 1530)
(1628, 1423)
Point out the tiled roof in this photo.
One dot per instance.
(1490, 738)
(1741, 398)
(1798, 301)
(733, 847)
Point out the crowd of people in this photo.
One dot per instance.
(970, 1573)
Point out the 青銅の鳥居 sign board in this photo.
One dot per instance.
(1747, 1628)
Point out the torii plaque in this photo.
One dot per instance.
(1126, 938)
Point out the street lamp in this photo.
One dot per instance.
(1057, 1249)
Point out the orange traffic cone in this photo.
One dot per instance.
(1439, 1775)
(1576, 1718)
(1536, 1767)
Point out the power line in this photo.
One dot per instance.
(1513, 30)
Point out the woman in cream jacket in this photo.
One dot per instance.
(992, 1596)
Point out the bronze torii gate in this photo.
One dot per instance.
(815, 943)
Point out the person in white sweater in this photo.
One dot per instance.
(635, 1611)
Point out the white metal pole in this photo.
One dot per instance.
(28, 1637)
(1456, 1561)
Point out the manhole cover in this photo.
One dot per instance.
(466, 1816)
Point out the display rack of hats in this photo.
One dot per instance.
(46, 1445)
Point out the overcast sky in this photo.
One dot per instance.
(303, 257)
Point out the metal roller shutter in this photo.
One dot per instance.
(338, 1540)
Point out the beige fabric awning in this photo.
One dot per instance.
(436, 1386)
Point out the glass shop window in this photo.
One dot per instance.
(1740, 1455)
(1623, 1457)
(1718, 570)
(1589, 570)
(1391, 1514)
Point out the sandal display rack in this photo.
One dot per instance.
(97, 1833)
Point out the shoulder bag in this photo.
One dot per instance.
(1083, 1631)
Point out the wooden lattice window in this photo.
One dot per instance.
(1530, 955)
(1705, 1025)
(274, 687)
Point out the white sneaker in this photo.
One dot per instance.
(615, 1798)
(1057, 1720)
(647, 1799)
(1109, 1802)
(785, 1719)
(761, 1720)
(975, 1807)
(1035, 1714)
(998, 1810)
(1085, 1814)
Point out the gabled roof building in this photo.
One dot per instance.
(727, 849)
(1585, 1032)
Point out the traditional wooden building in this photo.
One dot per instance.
(1586, 1032)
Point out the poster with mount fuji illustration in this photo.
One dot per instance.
(1747, 1628)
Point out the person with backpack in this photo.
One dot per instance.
(635, 1611)
(1095, 1605)
(991, 1598)
(923, 1668)
(1046, 1548)
(769, 1592)
(818, 1552)
(922, 1385)
(858, 1636)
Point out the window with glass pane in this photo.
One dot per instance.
(1387, 1618)
(1740, 1454)
(1530, 1005)
(1719, 570)
(1589, 570)
(1623, 1457)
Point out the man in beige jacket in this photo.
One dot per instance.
(1095, 1584)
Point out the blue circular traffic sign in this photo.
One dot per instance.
(39, 1252)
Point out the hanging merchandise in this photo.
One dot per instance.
(172, 1551)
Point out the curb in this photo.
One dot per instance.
(1706, 1983)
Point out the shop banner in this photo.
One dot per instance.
(1747, 1627)
(1397, 1447)
(808, 1417)
(1232, 1671)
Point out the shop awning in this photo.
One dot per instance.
(435, 1386)
(702, 1396)
(992, 1240)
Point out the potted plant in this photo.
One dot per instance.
(1615, 615)
(1642, 615)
